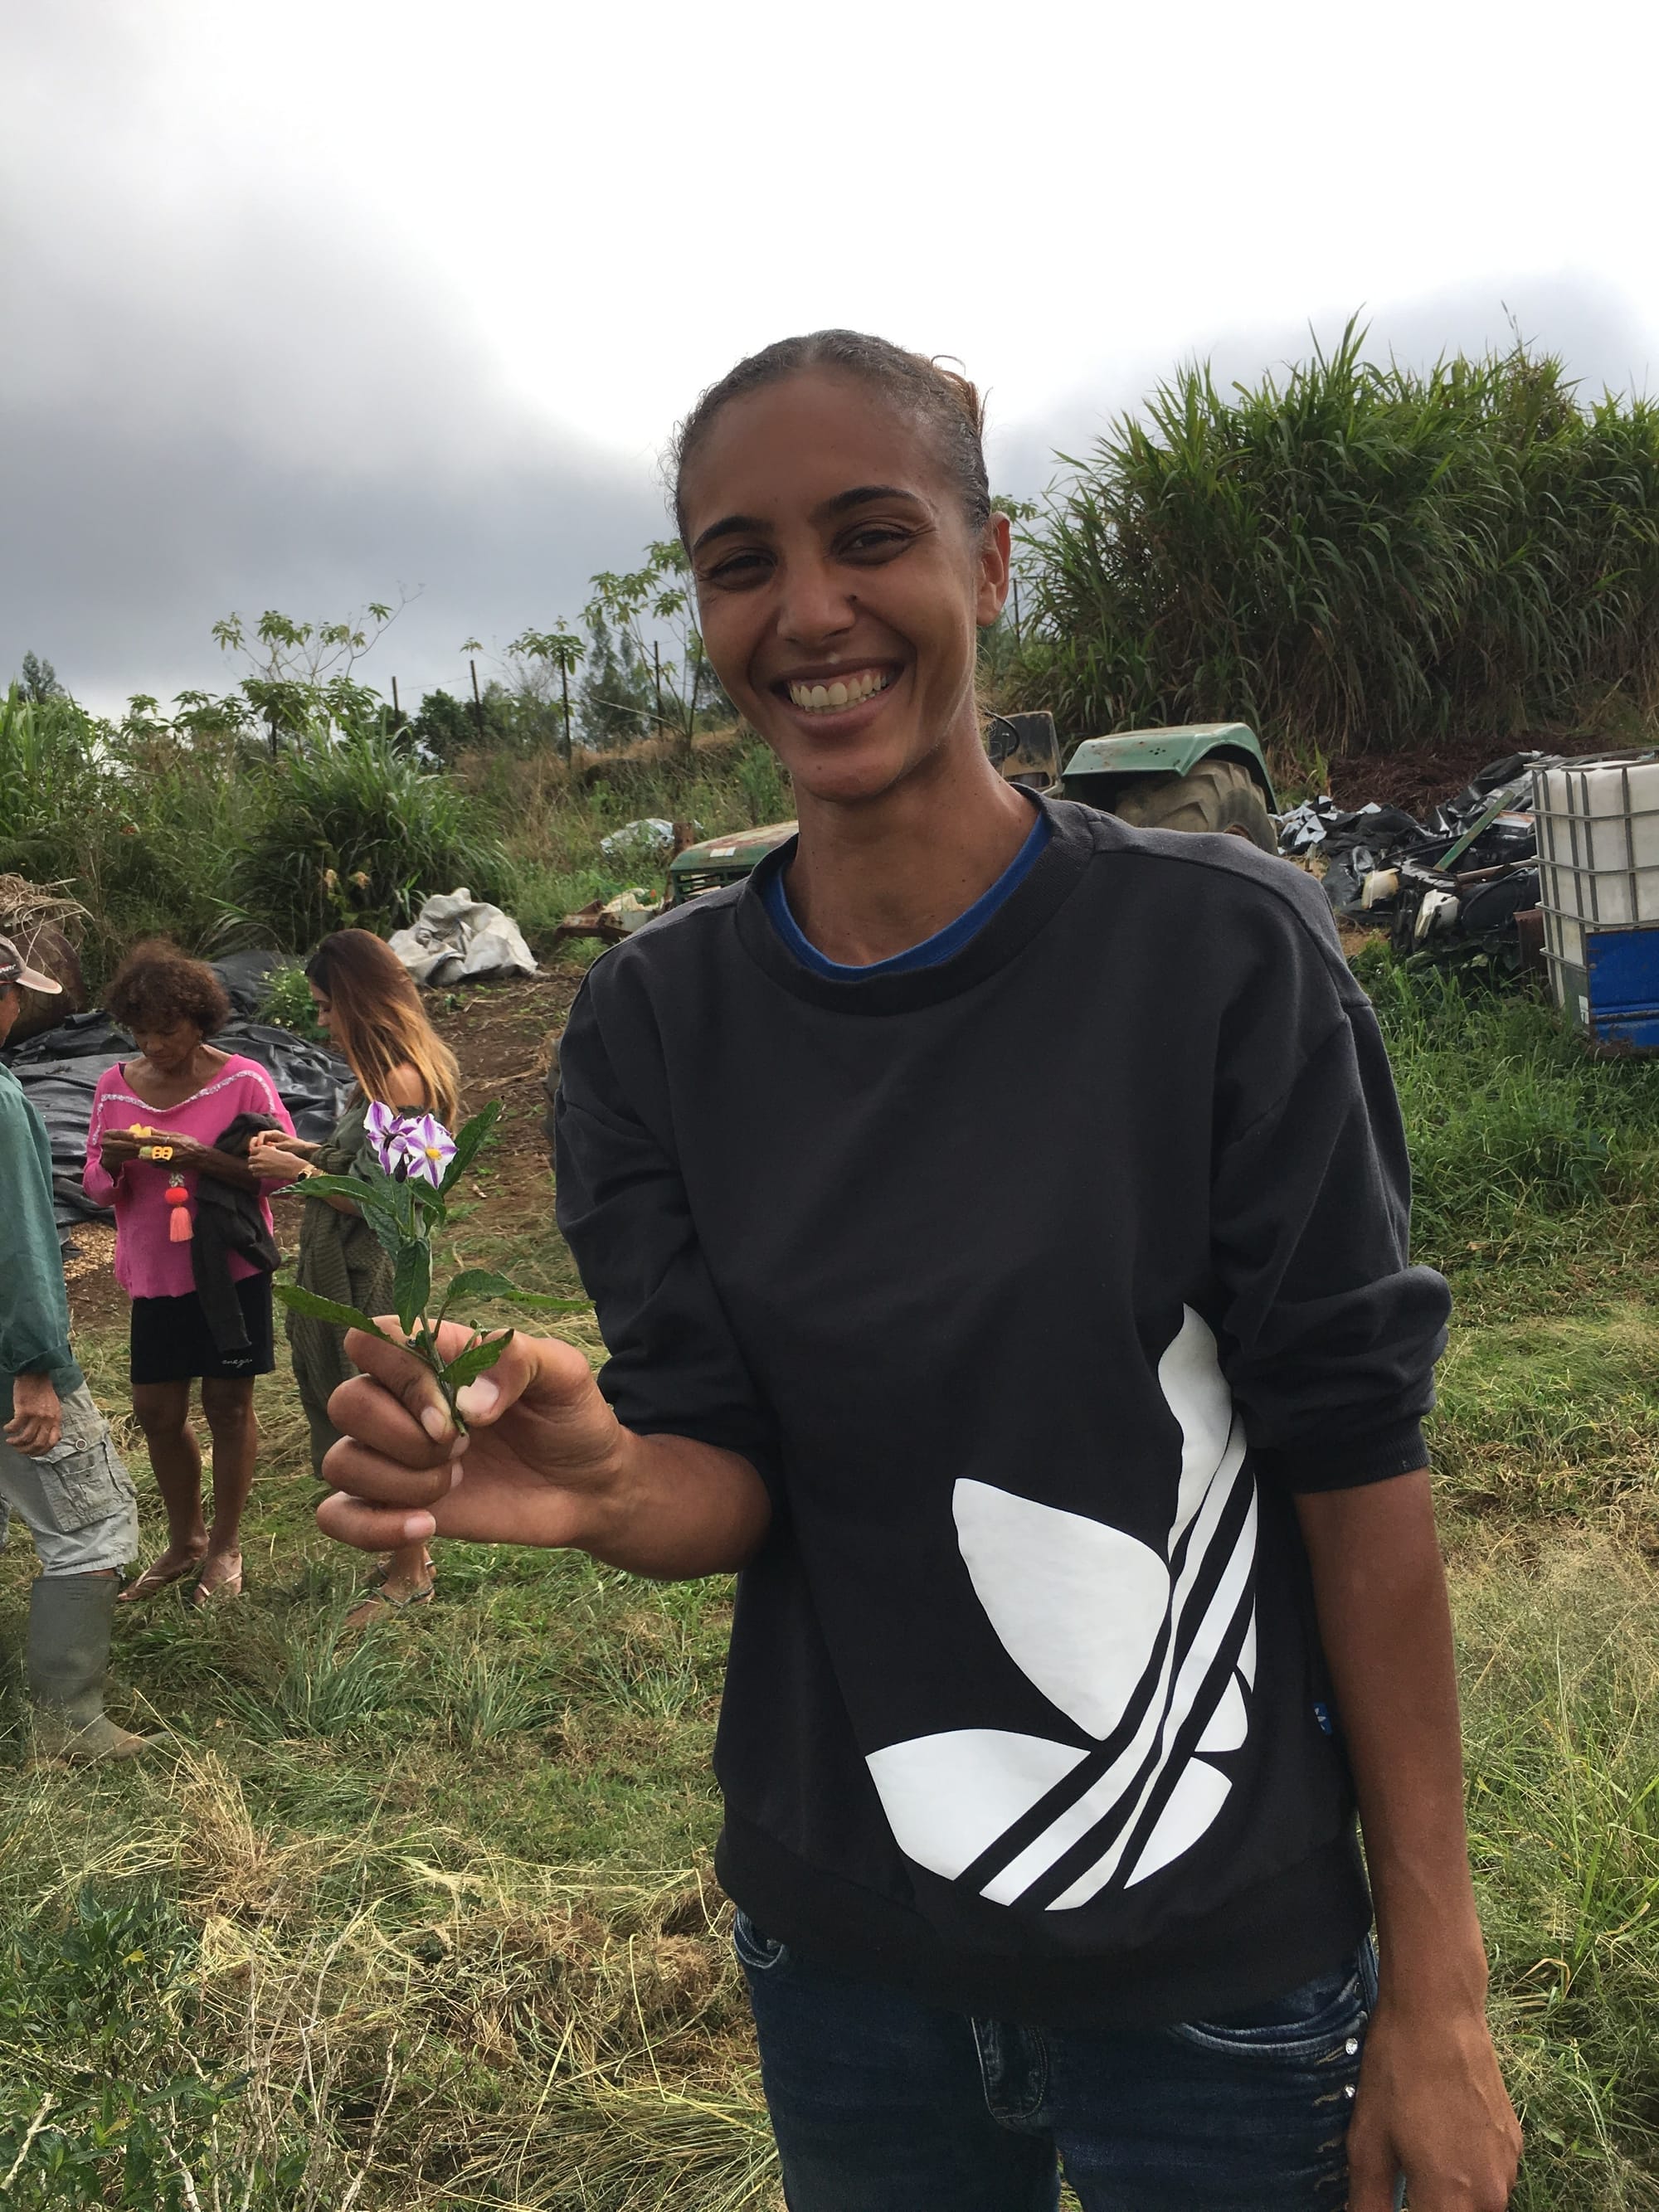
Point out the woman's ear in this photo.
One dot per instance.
(995, 555)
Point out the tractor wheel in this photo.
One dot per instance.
(1220, 796)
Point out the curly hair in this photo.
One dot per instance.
(157, 985)
(948, 404)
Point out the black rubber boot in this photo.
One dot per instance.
(69, 1619)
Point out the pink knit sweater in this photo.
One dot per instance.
(147, 1266)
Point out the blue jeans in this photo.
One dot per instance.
(881, 2103)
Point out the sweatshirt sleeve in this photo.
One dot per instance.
(34, 1323)
(674, 1365)
(1330, 1336)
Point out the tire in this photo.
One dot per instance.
(1220, 796)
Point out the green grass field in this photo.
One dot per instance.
(427, 1919)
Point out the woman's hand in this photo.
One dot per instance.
(543, 1461)
(115, 1148)
(1431, 2105)
(271, 1164)
(281, 1140)
(543, 1449)
(123, 1145)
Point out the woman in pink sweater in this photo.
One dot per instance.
(155, 1123)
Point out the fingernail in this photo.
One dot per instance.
(462, 1441)
(417, 1527)
(477, 1401)
(435, 1422)
(455, 1474)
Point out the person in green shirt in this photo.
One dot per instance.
(59, 1473)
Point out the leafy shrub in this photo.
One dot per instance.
(49, 778)
(354, 835)
(1356, 557)
(287, 1003)
(145, 828)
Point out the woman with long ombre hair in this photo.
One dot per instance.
(369, 1005)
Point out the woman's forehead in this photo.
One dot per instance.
(804, 441)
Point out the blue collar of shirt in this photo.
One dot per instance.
(944, 945)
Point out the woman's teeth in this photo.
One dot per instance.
(825, 698)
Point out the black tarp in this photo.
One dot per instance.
(59, 1071)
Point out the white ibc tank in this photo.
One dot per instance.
(1598, 849)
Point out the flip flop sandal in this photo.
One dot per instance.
(228, 1586)
(150, 1582)
(381, 1595)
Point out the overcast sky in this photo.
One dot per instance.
(306, 304)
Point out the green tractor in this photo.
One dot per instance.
(1206, 775)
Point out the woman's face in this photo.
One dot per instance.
(168, 1049)
(840, 587)
(323, 1009)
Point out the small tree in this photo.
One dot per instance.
(640, 606)
(302, 682)
(558, 652)
(39, 681)
(615, 701)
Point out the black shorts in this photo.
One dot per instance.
(172, 1341)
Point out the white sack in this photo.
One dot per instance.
(458, 938)
(649, 839)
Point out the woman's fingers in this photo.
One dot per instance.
(380, 1480)
(372, 1528)
(409, 1382)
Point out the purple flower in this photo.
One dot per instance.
(426, 1148)
(384, 1126)
(415, 1147)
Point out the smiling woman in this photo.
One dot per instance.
(1089, 1574)
(843, 586)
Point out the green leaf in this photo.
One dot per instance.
(412, 1282)
(473, 1361)
(316, 1308)
(363, 1195)
(485, 1282)
(388, 1234)
(469, 1143)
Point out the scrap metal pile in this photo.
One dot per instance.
(1467, 878)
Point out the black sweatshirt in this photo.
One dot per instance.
(1034, 1284)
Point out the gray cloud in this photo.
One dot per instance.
(228, 382)
(176, 467)
(237, 399)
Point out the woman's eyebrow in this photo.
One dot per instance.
(862, 495)
(732, 527)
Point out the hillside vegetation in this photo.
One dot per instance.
(1355, 556)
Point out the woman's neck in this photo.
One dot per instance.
(181, 1084)
(870, 880)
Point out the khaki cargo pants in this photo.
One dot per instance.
(77, 1501)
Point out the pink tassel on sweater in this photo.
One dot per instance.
(178, 1228)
